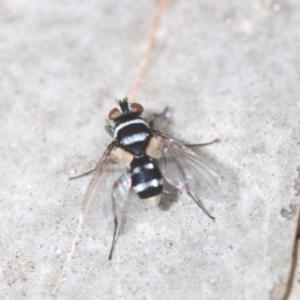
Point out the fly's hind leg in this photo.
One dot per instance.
(188, 190)
(114, 241)
(120, 189)
(115, 217)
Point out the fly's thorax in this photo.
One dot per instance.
(133, 135)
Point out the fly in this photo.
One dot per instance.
(148, 157)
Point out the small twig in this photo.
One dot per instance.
(151, 42)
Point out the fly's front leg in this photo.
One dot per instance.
(155, 115)
(110, 130)
(82, 175)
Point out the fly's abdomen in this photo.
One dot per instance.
(147, 180)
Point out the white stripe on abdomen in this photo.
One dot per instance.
(143, 186)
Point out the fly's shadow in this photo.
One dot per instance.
(169, 197)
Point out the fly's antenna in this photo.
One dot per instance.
(128, 98)
(116, 100)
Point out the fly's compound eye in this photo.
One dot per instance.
(114, 114)
(136, 108)
(130, 107)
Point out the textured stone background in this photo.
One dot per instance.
(226, 69)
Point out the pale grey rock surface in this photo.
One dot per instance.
(295, 291)
(227, 70)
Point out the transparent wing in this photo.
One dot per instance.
(184, 168)
(107, 192)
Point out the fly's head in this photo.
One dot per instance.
(125, 111)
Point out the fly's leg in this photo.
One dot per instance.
(204, 144)
(110, 130)
(188, 190)
(121, 188)
(154, 116)
(114, 241)
(199, 203)
(82, 175)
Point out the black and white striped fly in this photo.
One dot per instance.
(147, 158)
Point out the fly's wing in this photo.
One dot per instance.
(183, 168)
(99, 208)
